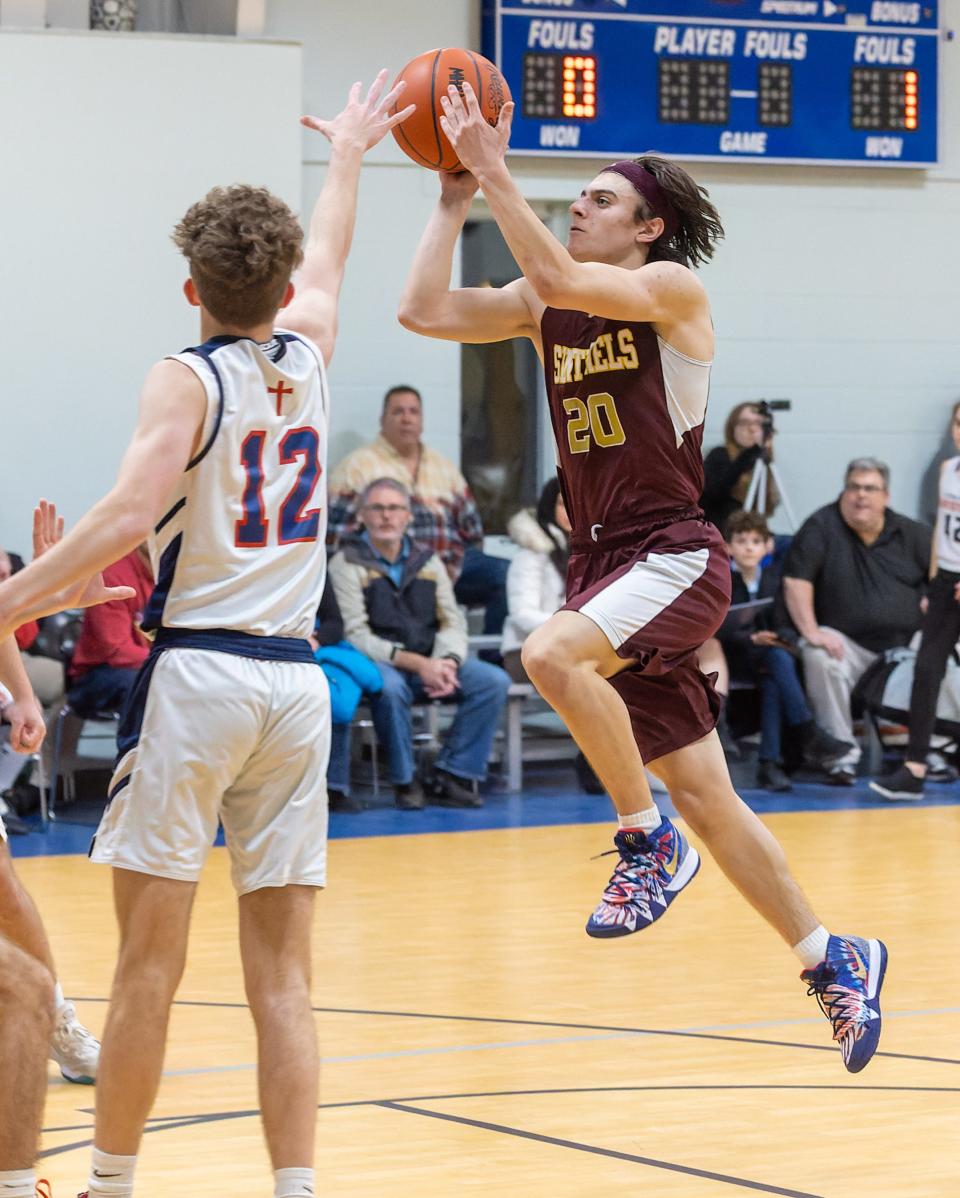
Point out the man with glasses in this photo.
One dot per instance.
(853, 581)
(398, 608)
(445, 517)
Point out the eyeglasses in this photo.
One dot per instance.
(386, 509)
(866, 488)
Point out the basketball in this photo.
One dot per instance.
(427, 78)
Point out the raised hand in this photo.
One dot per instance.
(457, 187)
(478, 144)
(47, 532)
(363, 122)
(47, 528)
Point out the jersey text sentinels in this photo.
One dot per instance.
(627, 412)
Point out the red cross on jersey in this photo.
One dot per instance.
(280, 390)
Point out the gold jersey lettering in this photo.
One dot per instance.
(572, 364)
(628, 351)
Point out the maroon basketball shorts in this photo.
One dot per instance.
(656, 594)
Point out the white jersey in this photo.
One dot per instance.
(242, 545)
(948, 517)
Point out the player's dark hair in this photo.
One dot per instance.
(400, 389)
(547, 519)
(743, 522)
(699, 227)
(242, 244)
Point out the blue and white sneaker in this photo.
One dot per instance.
(652, 870)
(847, 986)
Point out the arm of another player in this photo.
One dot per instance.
(473, 315)
(658, 293)
(359, 127)
(26, 719)
(168, 432)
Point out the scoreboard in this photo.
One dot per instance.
(850, 82)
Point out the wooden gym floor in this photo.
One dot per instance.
(474, 1038)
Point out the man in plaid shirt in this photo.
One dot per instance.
(445, 515)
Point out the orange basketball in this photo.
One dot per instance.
(427, 77)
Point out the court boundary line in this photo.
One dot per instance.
(615, 1154)
(589, 1027)
(158, 1123)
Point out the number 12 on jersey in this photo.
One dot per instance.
(297, 522)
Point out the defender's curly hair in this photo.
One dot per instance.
(699, 229)
(242, 244)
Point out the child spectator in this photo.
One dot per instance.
(761, 648)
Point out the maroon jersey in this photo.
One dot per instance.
(627, 412)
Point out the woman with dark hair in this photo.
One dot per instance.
(536, 580)
(536, 588)
(728, 469)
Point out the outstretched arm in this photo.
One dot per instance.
(26, 719)
(172, 409)
(361, 125)
(474, 315)
(659, 293)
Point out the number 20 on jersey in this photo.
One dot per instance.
(595, 420)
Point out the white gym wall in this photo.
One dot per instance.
(836, 288)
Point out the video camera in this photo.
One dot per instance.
(766, 408)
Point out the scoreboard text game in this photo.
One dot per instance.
(852, 82)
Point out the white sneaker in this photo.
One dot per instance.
(75, 1050)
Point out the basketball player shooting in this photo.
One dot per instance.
(622, 325)
(230, 717)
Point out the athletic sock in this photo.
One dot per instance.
(20, 1183)
(812, 949)
(292, 1183)
(644, 821)
(111, 1176)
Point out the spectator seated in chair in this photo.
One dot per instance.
(445, 516)
(399, 608)
(111, 648)
(854, 578)
(759, 646)
(350, 675)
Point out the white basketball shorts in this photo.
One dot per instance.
(223, 738)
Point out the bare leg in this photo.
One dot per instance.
(700, 786)
(19, 918)
(26, 1022)
(154, 918)
(275, 926)
(569, 660)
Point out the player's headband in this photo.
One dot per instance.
(643, 182)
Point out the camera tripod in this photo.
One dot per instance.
(756, 500)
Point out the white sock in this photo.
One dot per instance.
(812, 949)
(647, 820)
(292, 1183)
(111, 1176)
(21, 1183)
(58, 999)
